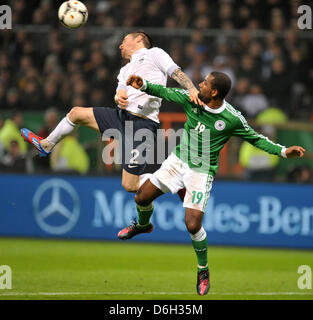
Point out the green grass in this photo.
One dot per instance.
(126, 270)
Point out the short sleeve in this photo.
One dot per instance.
(163, 61)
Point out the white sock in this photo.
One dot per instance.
(199, 236)
(143, 178)
(64, 128)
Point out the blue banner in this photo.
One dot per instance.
(249, 214)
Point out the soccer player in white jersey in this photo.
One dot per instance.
(149, 62)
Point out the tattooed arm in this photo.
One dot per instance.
(181, 78)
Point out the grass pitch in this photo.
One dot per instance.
(66, 269)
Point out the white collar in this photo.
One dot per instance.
(142, 50)
(219, 110)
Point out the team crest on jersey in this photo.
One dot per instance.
(219, 125)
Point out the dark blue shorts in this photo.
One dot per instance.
(136, 147)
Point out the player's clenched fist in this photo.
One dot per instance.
(135, 81)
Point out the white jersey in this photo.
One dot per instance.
(153, 65)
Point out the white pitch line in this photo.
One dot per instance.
(153, 293)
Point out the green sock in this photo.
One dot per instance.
(201, 249)
(144, 214)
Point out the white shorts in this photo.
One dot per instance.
(175, 174)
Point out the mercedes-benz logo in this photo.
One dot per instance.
(56, 199)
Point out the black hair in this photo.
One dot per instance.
(221, 82)
(147, 41)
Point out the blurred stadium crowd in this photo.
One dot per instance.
(39, 71)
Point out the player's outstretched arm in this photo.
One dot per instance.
(157, 90)
(295, 151)
(180, 77)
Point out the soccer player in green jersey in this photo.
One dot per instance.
(194, 162)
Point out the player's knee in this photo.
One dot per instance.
(129, 187)
(193, 226)
(75, 114)
(140, 199)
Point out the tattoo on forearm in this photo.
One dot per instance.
(182, 79)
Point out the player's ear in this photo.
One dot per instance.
(139, 38)
(214, 93)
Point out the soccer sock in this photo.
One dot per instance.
(64, 128)
(144, 214)
(200, 245)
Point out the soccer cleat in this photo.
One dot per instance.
(33, 139)
(203, 282)
(133, 230)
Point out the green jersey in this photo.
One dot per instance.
(207, 130)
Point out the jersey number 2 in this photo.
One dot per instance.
(135, 154)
